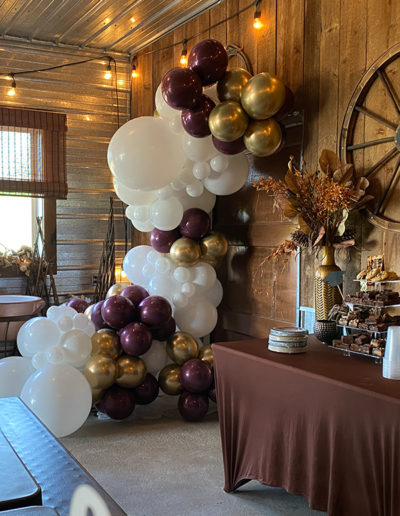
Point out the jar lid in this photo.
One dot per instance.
(288, 331)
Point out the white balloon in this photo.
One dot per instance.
(40, 335)
(165, 193)
(148, 270)
(206, 201)
(204, 275)
(166, 214)
(183, 274)
(185, 177)
(188, 289)
(195, 189)
(153, 256)
(201, 170)
(133, 264)
(232, 179)
(180, 300)
(215, 293)
(219, 163)
(144, 227)
(65, 323)
(163, 285)
(86, 497)
(132, 196)
(162, 265)
(20, 340)
(54, 313)
(81, 322)
(134, 154)
(40, 360)
(14, 371)
(141, 213)
(175, 124)
(156, 358)
(78, 347)
(198, 318)
(163, 109)
(198, 149)
(57, 356)
(60, 397)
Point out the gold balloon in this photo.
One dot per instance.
(115, 290)
(181, 346)
(213, 246)
(206, 354)
(100, 372)
(214, 262)
(228, 121)
(97, 394)
(131, 372)
(231, 85)
(263, 96)
(263, 137)
(169, 379)
(185, 252)
(106, 342)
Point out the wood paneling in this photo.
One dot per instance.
(319, 49)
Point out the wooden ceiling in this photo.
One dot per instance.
(124, 26)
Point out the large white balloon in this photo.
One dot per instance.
(60, 397)
(145, 154)
(133, 264)
(38, 334)
(131, 196)
(198, 149)
(199, 317)
(232, 179)
(166, 214)
(204, 275)
(77, 347)
(14, 371)
(156, 358)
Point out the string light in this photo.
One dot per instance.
(133, 19)
(257, 23)
(134, 73)
(107, 73)
(183, 60)
(11, 91)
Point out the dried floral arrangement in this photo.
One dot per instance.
(318, 202)
(21, 259)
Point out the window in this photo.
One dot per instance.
(32, 171)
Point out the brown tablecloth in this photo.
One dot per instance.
(319, 424)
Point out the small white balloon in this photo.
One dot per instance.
(54, 313)
(180, 300)
(141, 213)
(182, 274)
(198, 318)
(152, 256)
(78, 347)
(165, 193)
(81, 322)
(205, 201)
(56, 356)
(166, 214)
(40, 360)
(201, 170)
(65, 323)
(188, 289)
(162, 265)
(148, 270)
(198, 149)
(144, 227)
(133, 264)
(219, 163)
(156, 358)
(14, 371)
(195, 189)
(232, 179)
(204, 275)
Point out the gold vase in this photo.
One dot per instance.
(325, 296)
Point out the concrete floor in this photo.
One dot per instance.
(156, 464)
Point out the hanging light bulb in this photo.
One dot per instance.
(134, 73)
(107, 73)
(11, 91)
(257, 23)
(183, 60)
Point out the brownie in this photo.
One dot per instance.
(365, 349)
(378, 352)
(355, 347)
(348, 339)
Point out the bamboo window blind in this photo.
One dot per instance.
(32, 153)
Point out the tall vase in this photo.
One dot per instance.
(325, 296)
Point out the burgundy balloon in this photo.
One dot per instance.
(147, 391)
(135, 293)
(165, 331)
(117, 403)
(181, 88)
(77, 304)
(192, 407)
(195, 223)
(155, 311)
(195, 121)
(162, 241)
(287, 106)
(209, 60)
(118, 311)
(212, 395)
(135, 339)
(97, 318)
(229, 147)
(196, 375)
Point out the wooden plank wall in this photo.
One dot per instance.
(90, 104)
(320, 49)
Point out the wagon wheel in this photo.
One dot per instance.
(370, 137)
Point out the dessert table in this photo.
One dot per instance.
(319, 424)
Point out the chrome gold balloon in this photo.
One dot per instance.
(206, 354)
(97, 394)
(211, 260)
(169, 380)
(181, 346)
(231, 85)
(213, 246)
(262, 96)
(131, 372)
(263, 137)
(106, 342)
(185, 252)
(228, 121)
(115, 290)
(100, 372)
